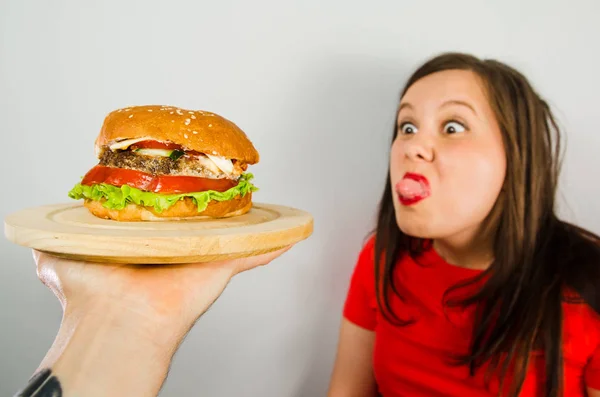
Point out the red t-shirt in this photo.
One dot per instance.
(413, 360)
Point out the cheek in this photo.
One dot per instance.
(396, 156)
(471, 177)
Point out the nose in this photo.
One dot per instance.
(418, 150)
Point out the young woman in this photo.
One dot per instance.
(471, 285)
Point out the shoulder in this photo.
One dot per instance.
(580, 330)
(576, 253)
(367, 251)
(365, 262)
(361, 305)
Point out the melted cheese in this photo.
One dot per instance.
(155, 152)
(224, 164)
(126, 143)
(208, 164)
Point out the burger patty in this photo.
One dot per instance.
(157, 165)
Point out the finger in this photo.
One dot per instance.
(46, 272)
(248, 263)
(36, 255)
(42, 261)
(45, 264)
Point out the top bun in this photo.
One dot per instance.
(197, 130)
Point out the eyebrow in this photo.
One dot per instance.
(407, 105)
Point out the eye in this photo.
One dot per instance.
(408, 128)
(453, 127)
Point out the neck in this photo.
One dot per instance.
(469, 250)
(472, 248)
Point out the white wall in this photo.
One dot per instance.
(314, 84)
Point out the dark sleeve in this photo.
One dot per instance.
(42, 384)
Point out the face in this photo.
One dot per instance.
(447, 163)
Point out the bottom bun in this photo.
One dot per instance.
(182, 210)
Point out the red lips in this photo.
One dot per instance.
(412, 189)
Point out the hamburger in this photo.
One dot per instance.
(167, 163)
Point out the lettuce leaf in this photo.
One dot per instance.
(118, 197)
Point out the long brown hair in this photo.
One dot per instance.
(537, 255)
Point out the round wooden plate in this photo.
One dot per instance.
(71, 231)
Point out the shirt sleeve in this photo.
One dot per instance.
(360, 306)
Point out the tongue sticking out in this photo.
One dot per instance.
(410, 188)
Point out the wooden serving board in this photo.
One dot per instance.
(71, 231)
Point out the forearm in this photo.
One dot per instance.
(105, 352)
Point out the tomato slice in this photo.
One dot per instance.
(154, 183)
(186, 184)
(149, 144)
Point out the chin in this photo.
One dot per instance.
(412, 226)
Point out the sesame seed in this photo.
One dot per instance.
(213, 152)
(185, 136)
(119, 111)
(194, 132)
(131, 115)
(170, 112)
(194, 117)
(210, 125)
(191, 112)
(187, 121)
(172, 121)
(149, 110)
(179, 112)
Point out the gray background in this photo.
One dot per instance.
(315, 85)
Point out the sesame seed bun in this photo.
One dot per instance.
(184, 209)
(197, 130)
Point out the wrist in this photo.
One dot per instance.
(102, 349)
